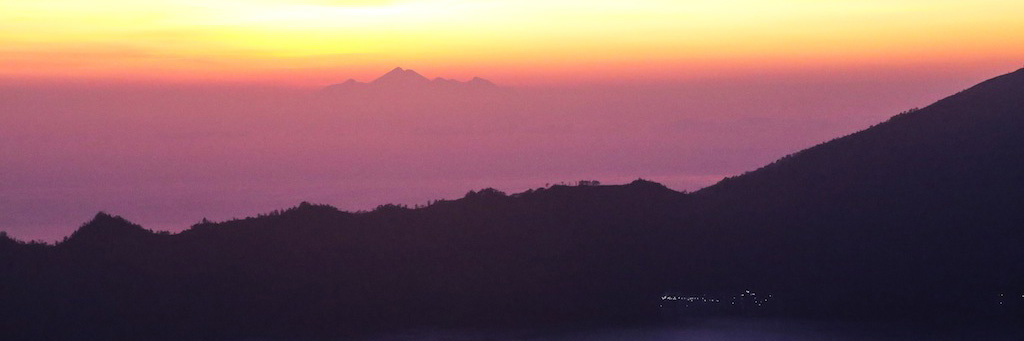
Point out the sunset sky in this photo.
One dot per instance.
(167, 112)
(313, 42)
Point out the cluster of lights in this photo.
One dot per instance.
(746, 296)
(759, 301)
(701, 299)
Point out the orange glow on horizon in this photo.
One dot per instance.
(314, 42)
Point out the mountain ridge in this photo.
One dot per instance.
(932, 116)
(914, 220)
(404, 81)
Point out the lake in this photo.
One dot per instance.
(724, 330)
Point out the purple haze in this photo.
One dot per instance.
(168, 156)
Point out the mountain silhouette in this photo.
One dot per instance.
(400, 77)
(105, 228)
(400, 81)
(916, 219)
(918, 211)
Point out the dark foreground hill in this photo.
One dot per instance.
(918, 218)
(919, 215)
(546, 256)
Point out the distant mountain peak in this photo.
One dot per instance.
(400, 79)
(399, 75)
(477, 81)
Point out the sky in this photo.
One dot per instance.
(518, 42)
(168, 112)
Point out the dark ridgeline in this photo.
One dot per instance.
(545, 256)
(917, 219)
(921, 214)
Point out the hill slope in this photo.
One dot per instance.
(920, 211)
(916, 218)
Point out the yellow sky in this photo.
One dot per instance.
(523, 40)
